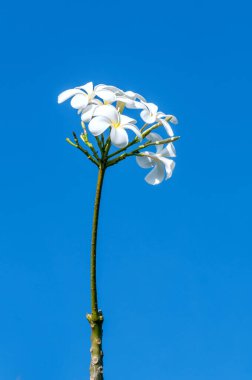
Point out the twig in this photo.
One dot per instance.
(78, 146)
(140, 147)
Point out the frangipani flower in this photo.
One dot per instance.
(107, 116)
(162, 166)
(150, 114)
(130, 99)
(94, 104)
(83, 96)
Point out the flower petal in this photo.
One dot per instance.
(88, 87)
(119, 137)
(63, 96)
(108, 87)
(130, 94)
(156, 175)
(145, 115)
(126, 120)
(152, 137)
(167, 126)
(169, 166)
(152, 107)
(168, 151)
(133, 95)
(97, 101)
(129, 103)
(108, 111)
(135, 105)
(88, 112)
(145, 161)
(79, 101)
(173, 120)
(98, 125)
(106, 95)
(134, 129)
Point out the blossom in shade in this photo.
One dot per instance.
(150, 114)
(162, 166)
(107, 116)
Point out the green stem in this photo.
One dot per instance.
(94, 303)
(140, 147)
(96, 318)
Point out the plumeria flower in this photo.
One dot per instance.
(84, 97)
(107, 116)
(150, 114)
(130, 99)
(107, 93)
(162, 166)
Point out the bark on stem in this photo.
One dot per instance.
(96, 318)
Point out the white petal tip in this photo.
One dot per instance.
(60, 99)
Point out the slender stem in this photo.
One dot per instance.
(95, 319)
(102, 140)
(94, 303)
(100, 144)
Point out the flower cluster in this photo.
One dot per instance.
(102, 107)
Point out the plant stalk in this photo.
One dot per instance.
(95, 319)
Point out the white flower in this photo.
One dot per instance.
(162, 166)
(150, 114)
(130, 99)
(84, 98)
(107, 93)
(106, 116)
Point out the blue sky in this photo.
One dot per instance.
(174, 261)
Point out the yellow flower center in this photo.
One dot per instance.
(116, 125)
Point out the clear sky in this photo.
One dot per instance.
(174, 261)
